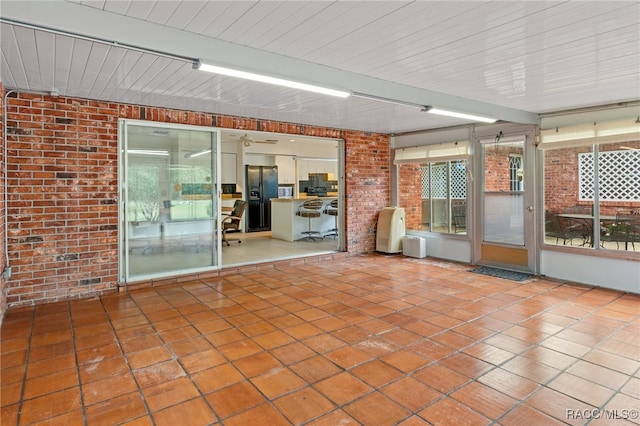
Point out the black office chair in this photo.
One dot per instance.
(331, 209)
(310, 209)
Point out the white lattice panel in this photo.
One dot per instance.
(425, 181)
(459, 180)
(618, 175)
(439, 181)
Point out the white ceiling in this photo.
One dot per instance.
(508, 59)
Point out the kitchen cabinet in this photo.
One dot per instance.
(228, 166)
(317, 166)
(286, 169)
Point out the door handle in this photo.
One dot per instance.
(530, 208)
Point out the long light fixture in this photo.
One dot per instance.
(160, 153)
(473, 117)
(270, 80)
(197, 153)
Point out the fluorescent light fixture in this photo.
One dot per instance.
(448, 113)
(148, 152)
(271, 80)
(197, 153)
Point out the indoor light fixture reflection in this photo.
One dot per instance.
(448, 113)
(148, 152)
(271, 80)
(197, 153)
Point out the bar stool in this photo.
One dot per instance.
(331, 209)
(310, 209)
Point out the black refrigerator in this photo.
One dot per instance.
(262, 186)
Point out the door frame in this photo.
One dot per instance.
(123, 239)
(508, 256)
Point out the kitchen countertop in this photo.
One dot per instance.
(289, 200)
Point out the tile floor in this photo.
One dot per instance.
(373, 340)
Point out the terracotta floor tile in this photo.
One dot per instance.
(483, 399)
(525, 415)
(257, 364)
(450, 412)
(405, 360)
(169, 393)
(224, 337)
(46, 367)
(158, 373)
(149, 357)
(93, 355)
(632, 388)
(277, 382)
(466, 365)
(189, 346)
(376, 409)
(111, 387)
(342, 388)
(240, 349)
(43, 385)
(15, 374)
(556, 404)
(217, 377)
(176, 334)
(566, 347)
(102, 368)
(264, 414)
(197, 412)
(509, 383)
(324, 343)
(597, 374)
(141, 343)
(258, 328)
(411, 393)
(452, 339)
(52, 405)
(292, 353)
(376, 373)
(315, 369)
(10, 393)
(234, 399)
(212, 326)
(303, 405)
(431, 350)
(612, 361)
(273, 339)
(347, 357)
(488, 353)
(620, 410)
(550, 357)
(38, 354)
(581, 389)
(335, 417)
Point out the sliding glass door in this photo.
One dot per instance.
(169, 207)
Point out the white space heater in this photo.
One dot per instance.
(390, 230)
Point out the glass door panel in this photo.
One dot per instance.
(506, 231)
(170, 207)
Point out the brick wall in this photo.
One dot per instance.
(3, 260)
(63, 203)
(367, 168)
(410, 194)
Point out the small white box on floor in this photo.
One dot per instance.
(414, 247)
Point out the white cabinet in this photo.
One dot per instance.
(286, 169)
(228, 172)
(317, 166)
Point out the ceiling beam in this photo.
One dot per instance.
(74, 18)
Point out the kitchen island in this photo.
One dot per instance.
(287, 226)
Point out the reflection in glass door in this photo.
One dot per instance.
(169, 207)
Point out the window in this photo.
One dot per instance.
(434, 196)
(589, 204)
